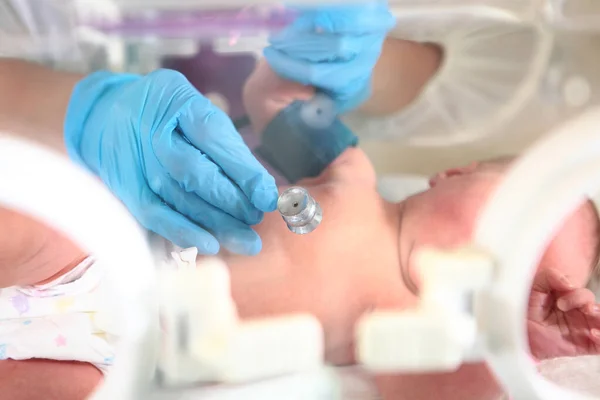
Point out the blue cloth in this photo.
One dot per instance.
(298, 147)
(333, 48)
(173, 158)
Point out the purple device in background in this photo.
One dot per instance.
(212, 72)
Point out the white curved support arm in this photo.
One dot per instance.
(441, 333)
(537, 194)
(42, 184)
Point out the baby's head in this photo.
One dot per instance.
(446, 215)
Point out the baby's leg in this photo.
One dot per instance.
(36, 379)
(31, 252)
(470, 382)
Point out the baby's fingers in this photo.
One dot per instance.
(558, 281)
(577, 298)
(592, 312)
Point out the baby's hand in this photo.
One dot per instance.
(266, 94)
(563, 321)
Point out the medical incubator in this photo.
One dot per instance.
(505, 63)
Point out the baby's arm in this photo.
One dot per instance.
(50, 380)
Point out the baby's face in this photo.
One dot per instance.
(446, 215)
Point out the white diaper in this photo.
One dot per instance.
(64, 320)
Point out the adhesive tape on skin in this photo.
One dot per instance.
(185, 258)
(270, 347)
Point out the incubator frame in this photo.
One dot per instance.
(539, 191)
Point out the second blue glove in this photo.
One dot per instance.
(333, 48)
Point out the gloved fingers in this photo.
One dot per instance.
(315, 47)
(212, 132)
(158, 217)
(333, 75)
(198, 174)
(231, 233)
(340, 80)
(362, 17)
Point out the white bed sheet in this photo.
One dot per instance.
(581, 374)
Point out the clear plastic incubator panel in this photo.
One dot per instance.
(503, 61)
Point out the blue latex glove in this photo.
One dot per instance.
(172, 157)
(333, 48)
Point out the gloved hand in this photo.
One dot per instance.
(172, 157)
(333, 48)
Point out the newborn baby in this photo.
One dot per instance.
(352, 263)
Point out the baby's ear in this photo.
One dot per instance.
(449, 173)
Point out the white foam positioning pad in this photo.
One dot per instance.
(271, 347)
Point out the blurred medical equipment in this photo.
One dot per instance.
(300, 211)
(501, 57)
(204, 342)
